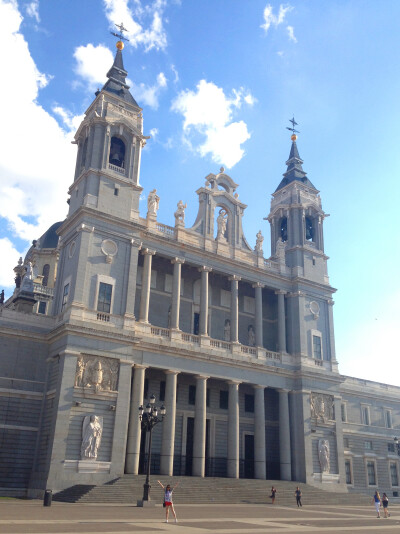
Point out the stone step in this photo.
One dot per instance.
(129, 489)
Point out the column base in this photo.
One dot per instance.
(145, 504)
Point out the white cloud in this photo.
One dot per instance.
(153, 133)
(32, 10)
(9, 259)
(71, 121)
(93, 63)
(37, 158)
(144, 23)
(270, 18)
(290, 31)
(176, 79)
(208, 112)
(149, 94)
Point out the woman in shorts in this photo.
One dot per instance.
(168, 500)
(385, 504)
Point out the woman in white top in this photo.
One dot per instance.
(168, 500)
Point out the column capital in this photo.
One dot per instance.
(259, 386)
(69, 352)
(234, 278)
(234, 382)
(258, 284)
(201, 377)
(204, 268)
(148, 252)
(177, 260)
(84, 228)
(283, 390)
(139, 366)
(136, 243)
(280, 292)
(330, 302)
(171, 372)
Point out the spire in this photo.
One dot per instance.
(294, 164)
(116, 83)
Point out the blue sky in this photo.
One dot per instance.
(218, 81)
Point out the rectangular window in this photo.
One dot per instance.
(192, 394)
(249, 403)
(344, 413)
(42, 307)
(368, 445)
(347, 465)
(104, 299)
(365, 419)
(65, 297)
(371, 473)
(162, 391)
(223, 399)
(317, 351)
(393, 474)
(388, 419)
(390, 447)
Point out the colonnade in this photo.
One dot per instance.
(204, 302)
(200, 418)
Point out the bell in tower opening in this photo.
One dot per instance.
(284, 234)
(117, 152)
(309, 229)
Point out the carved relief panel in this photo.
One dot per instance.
(322, 407)
(98, 373)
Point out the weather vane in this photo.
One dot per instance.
(120, 34)
(294, 123)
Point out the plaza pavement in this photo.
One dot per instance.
(25, 517)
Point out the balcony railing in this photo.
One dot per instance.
(165, 229)
(114, 168)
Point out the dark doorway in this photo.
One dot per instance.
(189, 446)
(248, 456)
(196, 324)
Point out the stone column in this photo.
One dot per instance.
(204, 300)
(260, 468)
(132, 274)
(119, 443)
(259, 314)
(176, 293)
(134, 430)
(233, 430)
(199, 434)
(284, 435)
(234, 308)
(281, 321)
(146, 281)
(168, 430)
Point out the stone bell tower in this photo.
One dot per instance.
(296, 219)
(110, 140)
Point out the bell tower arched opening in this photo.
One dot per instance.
(117, 152)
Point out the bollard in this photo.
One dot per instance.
(48, 496)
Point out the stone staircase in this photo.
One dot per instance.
(195, 490)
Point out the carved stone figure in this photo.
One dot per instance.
(222, 219)
(153, 201)
(323, 455)
(322, 407)
(227, 330)
(96, 372)
(251, 336)
(92, 430)
(80, 370)
(27, 281)
(259, 242)
(180, 212)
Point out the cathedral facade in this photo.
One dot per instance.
(237, 346)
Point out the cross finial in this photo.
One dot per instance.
(120, 34)
(294, 123)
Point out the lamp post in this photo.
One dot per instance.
(149, 419)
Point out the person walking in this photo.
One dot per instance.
(376, 500)
(298, 496)
(385, 504)
(168, 504)
(273, 493)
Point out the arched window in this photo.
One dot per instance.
(283, 229)
(45, 273)
(117, 152)
(309, 229)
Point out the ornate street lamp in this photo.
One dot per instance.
(149, 419)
